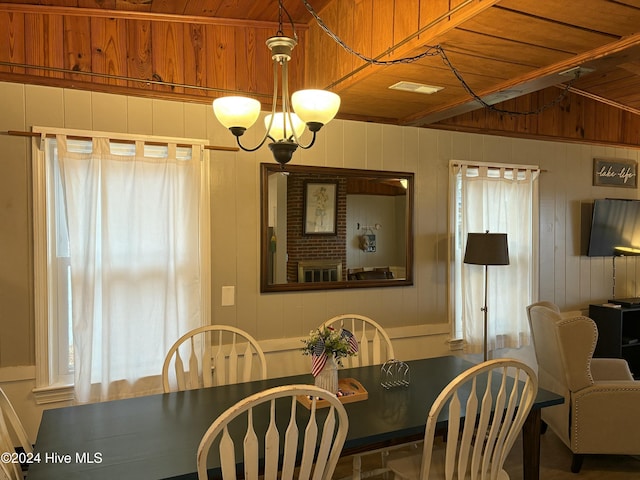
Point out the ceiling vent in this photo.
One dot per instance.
(415, 87)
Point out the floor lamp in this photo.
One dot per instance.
(486, 249)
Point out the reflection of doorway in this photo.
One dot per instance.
(271, 257)
(276, 248)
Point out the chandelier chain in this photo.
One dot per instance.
(493, 108)
(438, 50)
(280, 32)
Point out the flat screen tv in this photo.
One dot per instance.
(615, 223)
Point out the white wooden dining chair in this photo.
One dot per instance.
(250, 430)
(485, 409)
(213, 355)
(374, 348)
(11, 431)
(374, 345)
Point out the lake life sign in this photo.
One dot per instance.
(615, 172)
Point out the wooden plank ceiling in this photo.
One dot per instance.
(196, 50)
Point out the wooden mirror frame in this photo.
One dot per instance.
(267, 169)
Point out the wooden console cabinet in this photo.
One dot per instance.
(618, 334)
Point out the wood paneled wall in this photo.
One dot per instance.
(566, 277)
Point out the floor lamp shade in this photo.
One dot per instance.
(486, 249)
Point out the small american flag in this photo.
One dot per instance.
(318, 358)
(353, 342)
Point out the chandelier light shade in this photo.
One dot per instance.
(486, 249)
(310, 109)
(315, 106)
(281, 123)
(236, 112)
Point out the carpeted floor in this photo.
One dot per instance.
(555, 463)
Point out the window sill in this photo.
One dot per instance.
(54, 394)
(456, 344)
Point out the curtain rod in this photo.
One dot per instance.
(75, 137)
(496, 167)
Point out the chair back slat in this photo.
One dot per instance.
(219, 364)
(355, 361)
(291, 441)
(217, 355)
(310, 438)
(363, 351)
(207, 358)
(271, 445)
(467, 435)
(376, 345)
(499, 403)
(483, 426)
(511, 401)
(227, 455)
(325, 445)
(452, 435)
(250, 450)
(179, 371)
(247, 362)
(319, 457)
(232, 361)
(194, 367)
(527, 396)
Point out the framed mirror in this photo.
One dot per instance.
(327, 228)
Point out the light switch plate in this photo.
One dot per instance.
(228, 295)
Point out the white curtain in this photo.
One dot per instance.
(133, 224)
(498, 199)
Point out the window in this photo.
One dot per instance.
(122, 260)
(500, 199)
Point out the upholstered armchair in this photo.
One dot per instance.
(601, 411)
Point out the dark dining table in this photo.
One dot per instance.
(157, 436)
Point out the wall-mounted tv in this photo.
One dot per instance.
(615, 228)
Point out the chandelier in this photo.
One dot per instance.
(310, 109)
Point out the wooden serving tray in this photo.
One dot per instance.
(352, 391)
